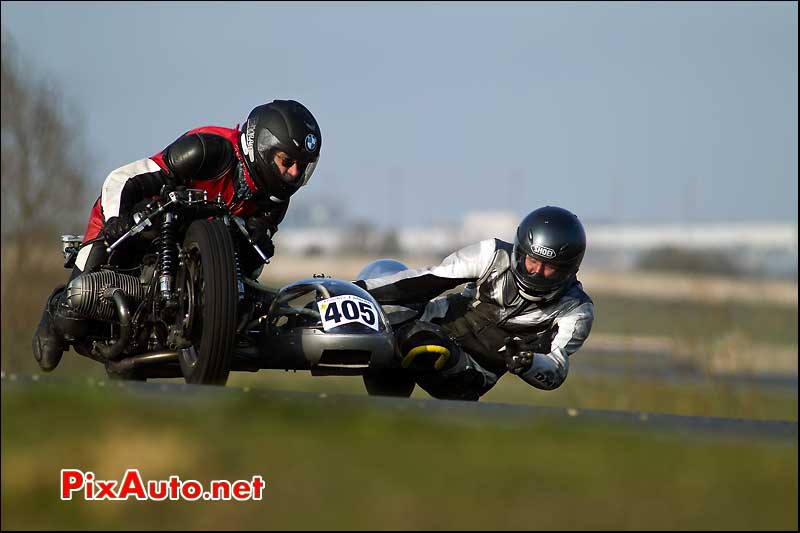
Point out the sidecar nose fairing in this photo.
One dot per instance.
(328, 326)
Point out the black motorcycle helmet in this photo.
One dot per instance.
(555, 237)
(282, 125)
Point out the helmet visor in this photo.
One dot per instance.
(536, 273)
(272, 151)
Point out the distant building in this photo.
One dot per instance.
(758, 246)
(767, 247)
(479, 225)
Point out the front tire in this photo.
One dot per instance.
(208, 302)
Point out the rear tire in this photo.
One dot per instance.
(208, 284)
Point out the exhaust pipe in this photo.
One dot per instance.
(145, 359)
(112, 351)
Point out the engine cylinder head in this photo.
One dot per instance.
(86, 293)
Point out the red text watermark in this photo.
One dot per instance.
(76, 482)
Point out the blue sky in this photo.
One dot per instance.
(656, 112)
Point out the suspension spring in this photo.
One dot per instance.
(168, 249)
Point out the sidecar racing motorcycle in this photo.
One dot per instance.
(186, 310)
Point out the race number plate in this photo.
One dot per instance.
(347, 308)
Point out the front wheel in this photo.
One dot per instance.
(208, 302)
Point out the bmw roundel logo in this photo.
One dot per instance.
(311, 142)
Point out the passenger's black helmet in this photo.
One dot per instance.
(283, 125)
(555, 237)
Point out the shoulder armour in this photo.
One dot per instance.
(199, 156)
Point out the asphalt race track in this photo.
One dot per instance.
(478, 412)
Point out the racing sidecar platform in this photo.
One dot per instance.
(325, 325)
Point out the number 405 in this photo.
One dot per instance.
(350, 311)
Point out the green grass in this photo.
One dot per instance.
(708, 398)
(337, 464)
(694, 321)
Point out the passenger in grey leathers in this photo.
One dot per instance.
(522, 309)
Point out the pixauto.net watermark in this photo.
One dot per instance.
(75, 482)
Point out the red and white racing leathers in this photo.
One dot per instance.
(206, 158)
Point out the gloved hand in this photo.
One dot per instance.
(261, 233)
(116, 227)
(518, 355)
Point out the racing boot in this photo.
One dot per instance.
(439, 365)
(459, 378)
(48, 343)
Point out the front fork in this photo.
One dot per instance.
(233, 230)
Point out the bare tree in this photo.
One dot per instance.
(43, 194)
(43, 183)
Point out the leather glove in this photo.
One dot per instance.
(261, 231)
(518, 355)
(116, 227)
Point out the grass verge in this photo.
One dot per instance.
(356, 465)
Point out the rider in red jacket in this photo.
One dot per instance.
(256, 169)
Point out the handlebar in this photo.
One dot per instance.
(196, 198)
(180, 197)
